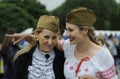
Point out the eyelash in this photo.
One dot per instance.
(69, 29)
(47, 37)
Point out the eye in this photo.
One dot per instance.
(71, 30)
(54, 37)
(46, 37)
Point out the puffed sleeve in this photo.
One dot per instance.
(106, 68)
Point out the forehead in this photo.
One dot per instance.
(48, 32)
(68, 25)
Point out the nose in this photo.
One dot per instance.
(67, 34)
(50, 42)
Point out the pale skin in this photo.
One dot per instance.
(82, 41)
(47, 40)
(78, 39)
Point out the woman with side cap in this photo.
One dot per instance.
(41, 60)
(85, 58)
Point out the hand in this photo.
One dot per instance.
(87, 77)
(17, 37)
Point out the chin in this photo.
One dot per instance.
(48, 50)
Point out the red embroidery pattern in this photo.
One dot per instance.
(86, 69)
(107, 74)
(80, 63)
(71, 67)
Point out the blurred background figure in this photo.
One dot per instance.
(1, 65)
(112, 46)
(8, 50)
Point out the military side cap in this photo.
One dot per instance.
(48, 22)
(81, 16)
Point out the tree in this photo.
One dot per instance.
(104, 10)
(20, 14)
(115, 20)
(14, 16)
(33, 7)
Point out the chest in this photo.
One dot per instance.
(85, 67)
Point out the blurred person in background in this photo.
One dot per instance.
(8, 50)
(112, 47)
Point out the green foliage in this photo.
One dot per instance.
(31, 6)
(105, 11)
(14, 16)
(20, 14)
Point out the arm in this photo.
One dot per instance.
(87, 77)
(17, 37)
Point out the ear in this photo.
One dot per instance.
(85, 31)
(36, 35)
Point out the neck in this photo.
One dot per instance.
(86, 49)
(84, 46)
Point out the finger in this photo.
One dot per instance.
(13, 39)
(17, 41)
(83, 77)
(9, 35)
(12, 35)
(79, 77)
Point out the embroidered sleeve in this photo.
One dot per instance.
(109, 73)
(107, 68)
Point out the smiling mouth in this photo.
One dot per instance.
(71, 39)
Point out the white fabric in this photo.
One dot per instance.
(41, 67)
(100, 64)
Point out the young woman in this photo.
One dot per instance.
(85, 58)
(41, 60)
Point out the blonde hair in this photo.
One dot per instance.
(22, 51)
(33, 42)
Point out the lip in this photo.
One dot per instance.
(71, 39)
(49, 47)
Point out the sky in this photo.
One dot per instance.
(52, 4)
(118, 1)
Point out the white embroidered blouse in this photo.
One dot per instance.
(101, 65)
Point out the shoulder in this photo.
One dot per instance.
(58, 52)
(66, 44)
(104, 57)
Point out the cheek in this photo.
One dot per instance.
(54, 42)
(41, 41)
(75, 34)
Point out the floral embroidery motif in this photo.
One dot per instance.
(86, 69)
(71, 67)
(107, 74)
(80, 63)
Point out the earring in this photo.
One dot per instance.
(36, 38)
